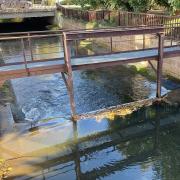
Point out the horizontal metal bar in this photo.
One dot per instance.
(32, 37)
(111, 63)
(110, 32)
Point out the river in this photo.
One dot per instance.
(142, 146)
(43, 97)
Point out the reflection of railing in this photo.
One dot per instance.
(83, 149)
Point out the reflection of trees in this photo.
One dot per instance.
(166, 143)
(157, 146)
(144, 114)
(168, 165)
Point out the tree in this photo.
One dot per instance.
(172, 5)
(141, 5)
(82, 3)
(129, 5)
(175, 5)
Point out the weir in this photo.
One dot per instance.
(30, 65)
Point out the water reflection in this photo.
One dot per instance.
(43, 48)
(144, 145)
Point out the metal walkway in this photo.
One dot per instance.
(86, 61)
(29, 67)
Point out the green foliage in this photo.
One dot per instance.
(140, 5)
(175, 4)
(131, 5)
(164, 3)
(67, 2)
(82, 3)
(172, 5)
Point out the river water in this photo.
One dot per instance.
(43, 97)
(144, 145)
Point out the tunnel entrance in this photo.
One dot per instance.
(28, 24)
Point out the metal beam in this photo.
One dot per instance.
(160, 64)
(67, 59)
(73, 35)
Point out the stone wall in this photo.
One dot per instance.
(171, 67)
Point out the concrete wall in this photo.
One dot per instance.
(171, 67)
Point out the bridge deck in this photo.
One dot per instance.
(35, 11)
(79, 63)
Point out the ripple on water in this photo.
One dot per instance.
(46, 96)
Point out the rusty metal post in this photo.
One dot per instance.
(119, 18)
(76, 48)
(24, 57)
(30, 47)
(144, 41)
(160, 63)
(67, 59)
(111, 44)
(76, 151)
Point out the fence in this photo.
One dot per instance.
(123, 18)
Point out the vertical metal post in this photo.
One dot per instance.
(24, 56)
(157, 132)
(111, 44)
(76, 150)
(144, 41)
(160, 64)
(76, 48)
(119, 18)
(67, 59)
(30, 46)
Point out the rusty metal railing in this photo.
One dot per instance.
(126, 19)
(48, 45)
(67, 46)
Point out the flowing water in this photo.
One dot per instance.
(144, 145)
(46, 96)
(141, 146)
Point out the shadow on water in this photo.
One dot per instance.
(143, 145)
